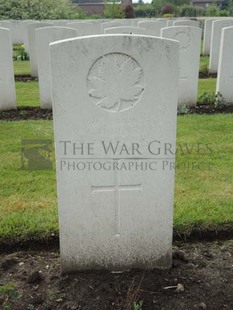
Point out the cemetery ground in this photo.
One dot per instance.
(202, 272)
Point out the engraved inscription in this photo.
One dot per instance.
(115, 82)
(184, 39)
(116, 188)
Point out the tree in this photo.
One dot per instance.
(113, 10)
(38, 9)
(128, 11)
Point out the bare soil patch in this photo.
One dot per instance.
(210, 109)
(207, 75)
(25, 78)
(201, 278)
(35, 113)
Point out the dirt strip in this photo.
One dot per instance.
(201, 278)
(35, 113)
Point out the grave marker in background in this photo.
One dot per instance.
(7, 82)
(217, 27)
(190, 43)
(207, 36)
(225, 66)
(44, 36)
(84, 29)
(125, 30)
(190, 23)
(153, 28)
(117, 23)
(31, 27)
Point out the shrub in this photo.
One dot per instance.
(168, 15)
(145, 10)
(213, 10)
(167, 9)
(38, 9)
(224, 13)
(212, 99)
(113, 10)
(128, 11)
(190, 11)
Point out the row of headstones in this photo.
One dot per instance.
(40, 35)
(218, 44)
(96, 28)
(19, 31)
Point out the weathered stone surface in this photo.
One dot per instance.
(84, 29)
(207, 36)
(217, 27)
(44, 36)
(118, 23)
(153, 27)
(125, 30)
(115, 106)
(225, 66)
(31, 27)
(190, 23)
(7, 82)
(190, 43)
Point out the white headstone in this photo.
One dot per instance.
(84, 29)
(190, 43)
(7, 82)
(60, 22)
(26, 35)
(215, 42)
(125, 30)
(170, 23)
(207, 36)
(190, 23)
(153, 27)
(225, 66)
(17, 27)
(44, 36)
(112, 90)
(32, 45)
(5, 24)
(106, 25)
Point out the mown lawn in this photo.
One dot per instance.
(203, 194)
(22, 67)
(204, 62)
(206, 86)
(27, 94)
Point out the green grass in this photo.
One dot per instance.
(22, 67)
(204, 62)
(28, 198)
(25, 91)
(206, 86)
(203, 197)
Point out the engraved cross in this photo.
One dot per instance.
(116, 188)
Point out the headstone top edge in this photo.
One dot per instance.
(107, 36)
(4, 29)
(42, 29)
(182, 27)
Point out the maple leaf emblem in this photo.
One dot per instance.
(184, 39)
(115, 82)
